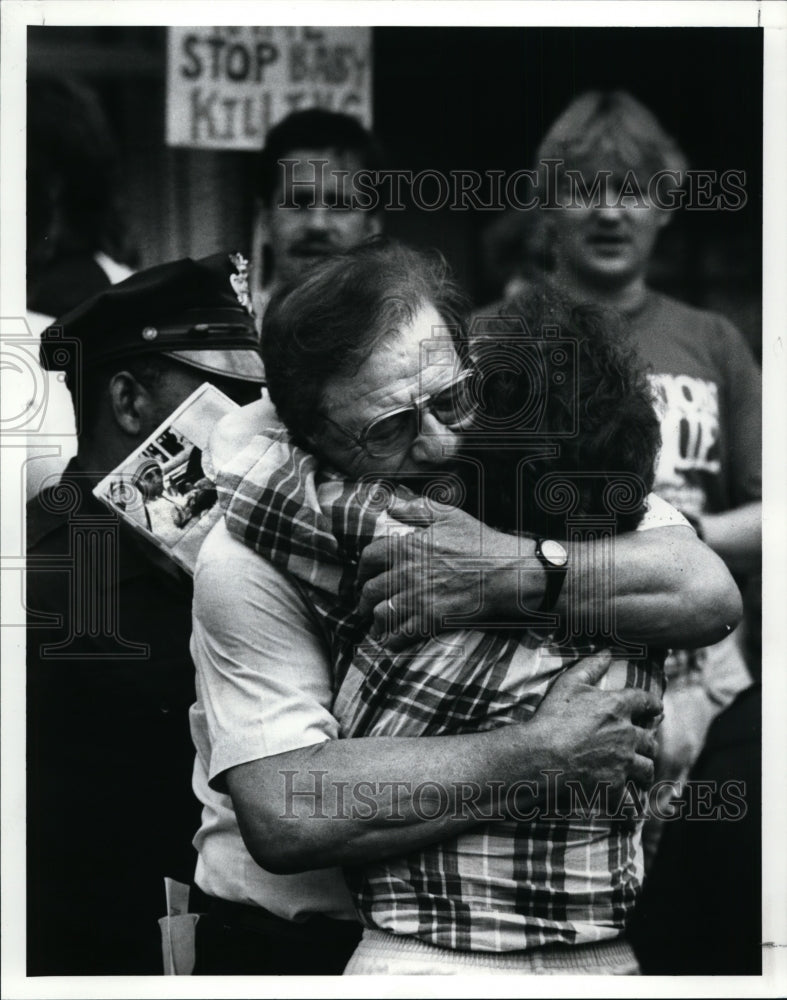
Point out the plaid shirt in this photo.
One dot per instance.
(505, 885)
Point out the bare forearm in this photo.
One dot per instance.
(670, 590)
(663, 586)
(356, 800)
(736, 536)
(352, 801)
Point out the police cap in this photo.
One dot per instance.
(196, 311)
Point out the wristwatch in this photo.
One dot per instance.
(554, 558)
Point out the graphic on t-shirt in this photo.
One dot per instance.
(688, 409)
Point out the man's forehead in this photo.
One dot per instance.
(400, 369)
(300, 164)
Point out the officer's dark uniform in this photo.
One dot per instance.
(109, 752)
(110, 679)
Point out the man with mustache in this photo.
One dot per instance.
(304, 209)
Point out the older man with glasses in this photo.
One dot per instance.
(359, 378)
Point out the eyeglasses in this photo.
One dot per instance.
(454, 406)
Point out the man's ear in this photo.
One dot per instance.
(375, 224)
(131, 403)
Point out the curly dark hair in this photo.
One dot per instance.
(578, 408)
(316, 129)
(324, 326)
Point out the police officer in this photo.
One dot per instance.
(110, 678)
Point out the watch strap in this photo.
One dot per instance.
(555, 577)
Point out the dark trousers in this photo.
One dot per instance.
(233, 939)
(700, 913)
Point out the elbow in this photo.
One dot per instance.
(277, 845)
(732, 606)
(726, 613)
(717, 607)
(273, 831)
(278, 859)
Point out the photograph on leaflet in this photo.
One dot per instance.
(162, 490)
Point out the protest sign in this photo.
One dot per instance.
(227, 86)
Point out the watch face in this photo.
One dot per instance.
(553, 552)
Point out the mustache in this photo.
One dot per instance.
(324, 243)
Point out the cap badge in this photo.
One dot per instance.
(240, 281)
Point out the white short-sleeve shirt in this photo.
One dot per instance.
(263, 688)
